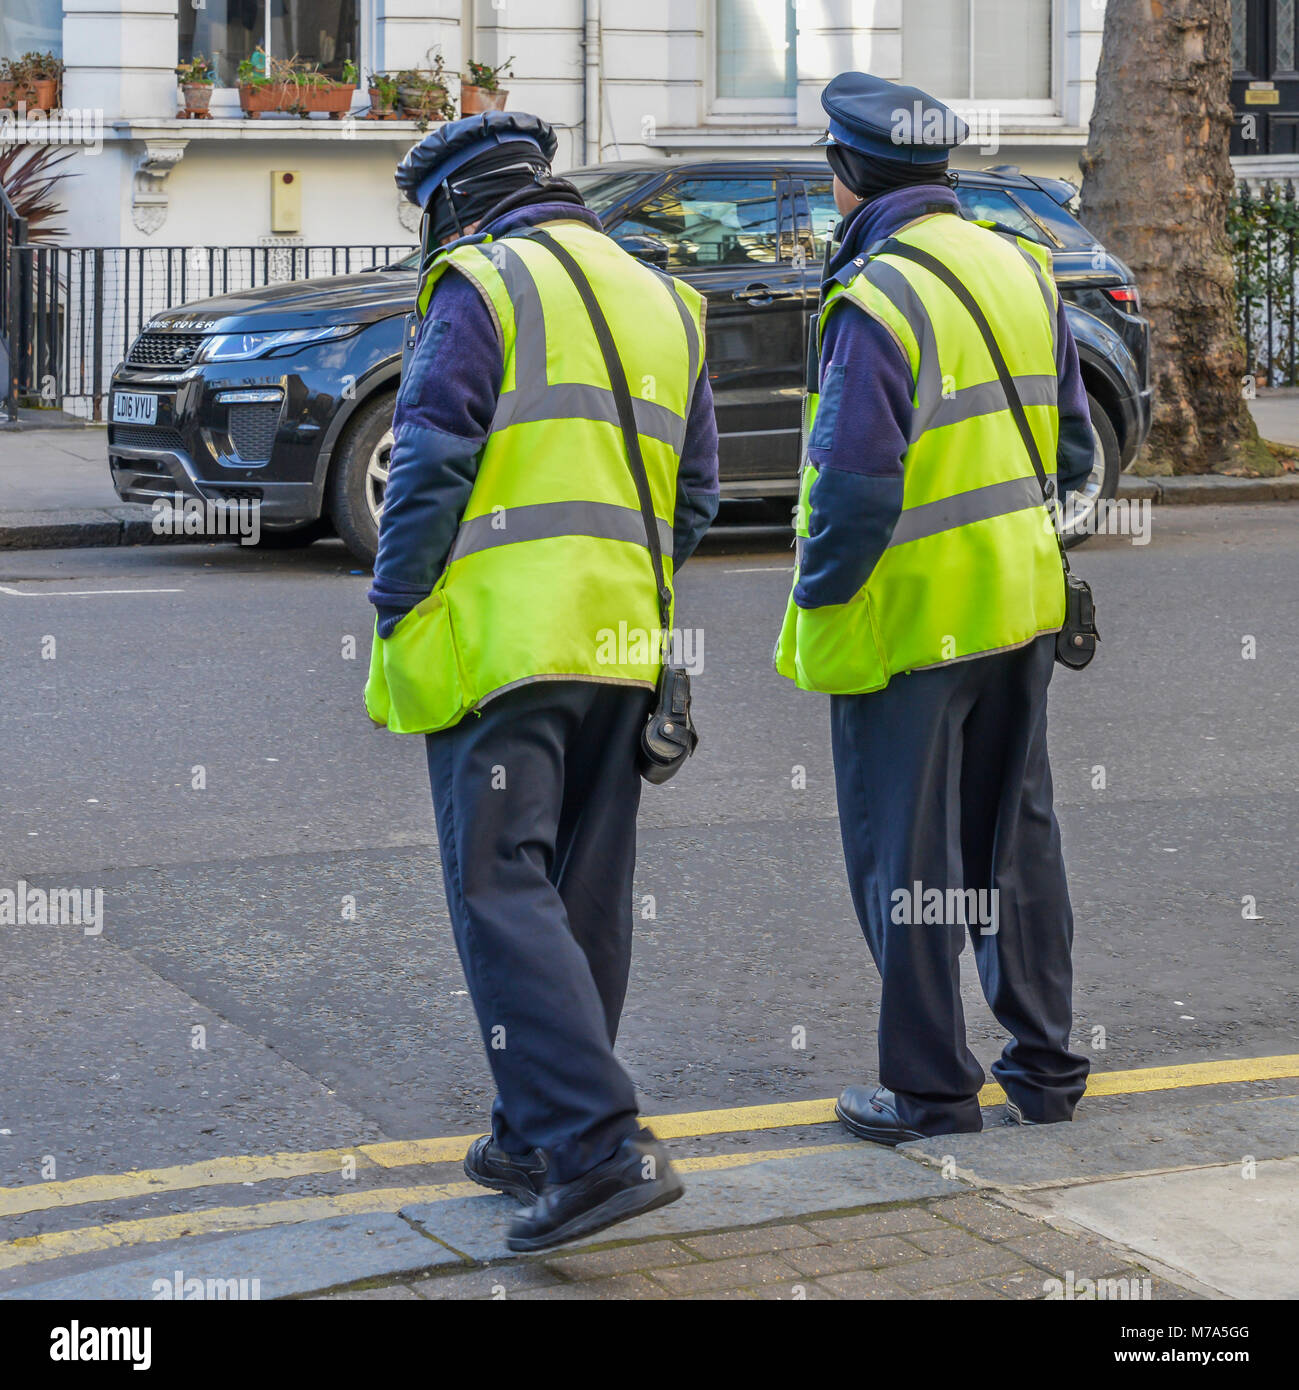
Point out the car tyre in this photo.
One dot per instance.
(1102, 482)
(360, 475)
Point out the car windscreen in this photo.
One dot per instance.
(1061, 222)
(983, 204)
(604, 189)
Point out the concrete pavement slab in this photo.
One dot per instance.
(1114, 1144)
(1276, 413)
(274, 1263)
(1234, 1228)
(859, 1176)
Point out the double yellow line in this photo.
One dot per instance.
(248, 1168)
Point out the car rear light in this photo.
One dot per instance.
(1127, 297)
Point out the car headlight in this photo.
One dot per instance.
(234, 347)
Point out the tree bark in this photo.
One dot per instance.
(1157, 181)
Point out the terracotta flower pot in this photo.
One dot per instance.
(7, 94)
(45, 97)
(475, 99)
(258, 97)
(378, 107)
(198, 95)
(337, 101)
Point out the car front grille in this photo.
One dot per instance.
(164, 349)
(145, 437)
(252, 431)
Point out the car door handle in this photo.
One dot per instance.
(761, 294)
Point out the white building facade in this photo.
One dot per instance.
(620, 79)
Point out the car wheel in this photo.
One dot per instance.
(359, 477)
(1101, 484)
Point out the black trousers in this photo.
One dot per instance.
(536, 801)
(943, 783)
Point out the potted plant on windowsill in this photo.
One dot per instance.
(265, 86)
(423, 92)
(196, 83)
(46, 72)
(319, 92)
(481, 89)
(383, 97)
(33, 79)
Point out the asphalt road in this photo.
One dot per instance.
(224, 907)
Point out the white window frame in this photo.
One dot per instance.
(761, 110)
(1017, 106)
(225, 100)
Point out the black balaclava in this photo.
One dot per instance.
(478, 186)
(868, 176)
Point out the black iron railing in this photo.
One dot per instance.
(75, 311)
(1264, 227)
(13, 235)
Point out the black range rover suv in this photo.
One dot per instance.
(284, 394)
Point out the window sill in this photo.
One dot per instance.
(261, 130)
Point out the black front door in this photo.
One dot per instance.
(1265, 76)
(730, 235)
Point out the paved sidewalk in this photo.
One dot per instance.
(955, 1248)
(1196, 1193)
(55, 489)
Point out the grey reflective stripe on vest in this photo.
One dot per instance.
(534, 398)
(979, 504)
(692, 345)
(577, 401)
(895, 286)
(1044, 287)
(529, 319)
(548, 520)
(989, 399)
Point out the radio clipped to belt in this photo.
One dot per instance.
(669, 736)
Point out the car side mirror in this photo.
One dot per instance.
(646, 248)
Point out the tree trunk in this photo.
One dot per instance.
(1157, 181)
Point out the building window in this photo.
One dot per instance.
(963, 50)
(757, 51)
(28, 26)
(323, 33)
(1239, 37)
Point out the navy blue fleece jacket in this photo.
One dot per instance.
(443, 416)
(864, 420)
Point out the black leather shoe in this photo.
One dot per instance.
(521, 1175)
(870, 1112)
(613, 1191)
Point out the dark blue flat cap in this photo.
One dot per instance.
(889, 120)
(440, 153)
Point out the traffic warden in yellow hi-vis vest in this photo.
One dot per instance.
(518, 618)
(926, 597)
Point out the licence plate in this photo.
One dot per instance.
(134, 408)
